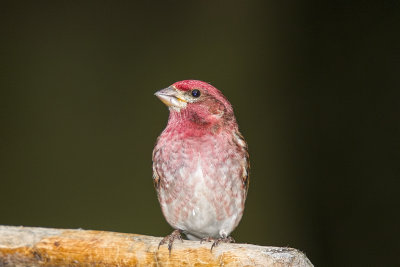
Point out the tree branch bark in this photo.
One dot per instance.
(34, 246)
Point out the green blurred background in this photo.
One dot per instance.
(314, 86)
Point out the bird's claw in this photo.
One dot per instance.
(170, 239)
(217, 241)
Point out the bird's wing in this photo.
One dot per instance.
(239, 140)
(156, 176)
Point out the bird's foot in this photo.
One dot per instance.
(217, 241)
(170, 239)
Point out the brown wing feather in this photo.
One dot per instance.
(239, 140)
(246, 177)
(156, 176)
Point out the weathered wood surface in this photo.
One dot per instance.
(33, 246)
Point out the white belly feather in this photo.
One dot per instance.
(201, 220)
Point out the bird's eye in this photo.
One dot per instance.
(196, 93)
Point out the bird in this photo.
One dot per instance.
(200, 164)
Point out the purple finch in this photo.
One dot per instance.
(200, 164)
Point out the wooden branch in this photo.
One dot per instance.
(33, 246)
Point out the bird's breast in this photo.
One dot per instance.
(200, 182)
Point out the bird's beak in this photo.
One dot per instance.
(170, 97)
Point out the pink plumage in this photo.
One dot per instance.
(200, 164)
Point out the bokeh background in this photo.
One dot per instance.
(314, 86)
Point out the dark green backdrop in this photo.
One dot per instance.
(313, 87)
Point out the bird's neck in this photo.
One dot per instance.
(189, 123)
